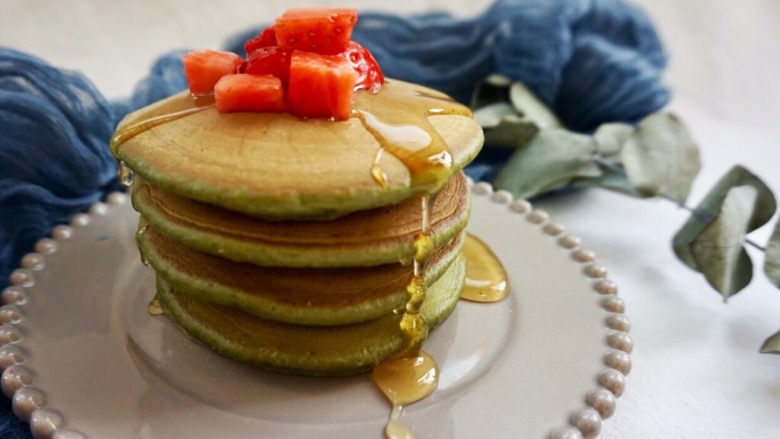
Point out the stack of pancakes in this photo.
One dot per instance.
(273, 244)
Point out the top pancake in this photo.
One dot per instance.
(277, 166)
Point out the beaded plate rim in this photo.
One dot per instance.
(599, 404)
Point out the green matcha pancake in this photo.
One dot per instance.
(404, 141)
(305, 350)
(304, 296)
(374, 237)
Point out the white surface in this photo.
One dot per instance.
(697, 371)
(93, 354)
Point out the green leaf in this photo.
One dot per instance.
(610, 138)
(709, 208)
(660, 158)
(512, 132)
(528, 105)
(711, 241)
(719, 252)
(772, 257)
(613, 178)
(553, 159)
(490, 116)
(772, 344)
(492, 90)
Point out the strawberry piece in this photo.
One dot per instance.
(242, 92)
(270, 60)
(320, 30)
(265, 38)
(320, 85)
(204, 68)
(370, 76)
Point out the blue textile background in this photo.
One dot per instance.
(592, 61)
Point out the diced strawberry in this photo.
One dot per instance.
(370, 76)
(320, 85)
(320, 30)
(242, 92)
(204, 68)
(272, 60)
(265, 38)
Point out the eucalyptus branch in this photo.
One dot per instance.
(655, 158)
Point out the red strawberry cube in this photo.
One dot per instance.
(370, 76)
(265, 38)
(320, 86)
(270, 60)
(320, 30)
(205, 67)
(250, 93)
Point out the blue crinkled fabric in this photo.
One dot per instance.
(592, 61)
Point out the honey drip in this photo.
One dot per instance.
(413, 374)
(398, 119)
(486, 279)
(176, 109)
(125, 174)
(380, 176)
(154, 307)
(405, 380)
(143, 226)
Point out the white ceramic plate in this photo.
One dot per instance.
(83, 358)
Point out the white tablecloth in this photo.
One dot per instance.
(697, 373)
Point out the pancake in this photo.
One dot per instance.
(378, 236)
(304, 350)
(304, 296)
(278, 166)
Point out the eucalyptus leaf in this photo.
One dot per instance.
(707, 211)
(613, 178)
(492, 90)
(553, 159)
(660, 158)
(772, 257)
(610, 138)
(512, 132)
(528, 105)
(719, 252)
(491, 115)
(772, 344)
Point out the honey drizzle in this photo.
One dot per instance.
(154, 308)
(398, 119)
(394, 428)
(184, 106)
(486, 278)
(125, 174)
(405, 380)
(380, 176)
(413, 374)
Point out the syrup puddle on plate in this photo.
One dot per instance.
(486, 279)
(154, 308)
(405, 380)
